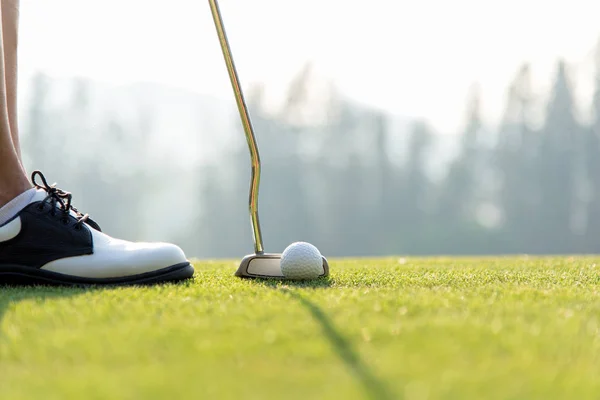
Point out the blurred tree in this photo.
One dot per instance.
(560, 143)
(416, 187)
(80, 100)
(387, 215)
(457, 201)
(284, 191)
(223, 227)
(295, 102)
(518, 193)
(223, 222)
(592, 151)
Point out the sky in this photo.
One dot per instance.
(416, 58)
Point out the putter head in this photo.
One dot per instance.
(266, 265)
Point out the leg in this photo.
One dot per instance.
(10, 30)
(13, 180)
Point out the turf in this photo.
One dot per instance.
(494, 328)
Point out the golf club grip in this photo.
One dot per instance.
(247, 124)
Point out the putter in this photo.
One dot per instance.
(259, 264)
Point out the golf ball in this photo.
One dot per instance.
(301, 260)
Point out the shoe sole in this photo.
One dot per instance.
(25, 276)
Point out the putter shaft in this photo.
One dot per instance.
(247, 124)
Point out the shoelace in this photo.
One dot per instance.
(61, 199)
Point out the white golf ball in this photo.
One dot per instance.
(301, 260)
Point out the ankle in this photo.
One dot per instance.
(13, 189)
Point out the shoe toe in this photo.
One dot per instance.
(153, 256)
(114, 258)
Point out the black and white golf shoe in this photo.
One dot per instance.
(51, 242)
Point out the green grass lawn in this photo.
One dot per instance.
(493, 328)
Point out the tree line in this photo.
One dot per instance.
(343, 184)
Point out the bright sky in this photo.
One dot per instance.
(415, 58)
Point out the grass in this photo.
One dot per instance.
(443, 328)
